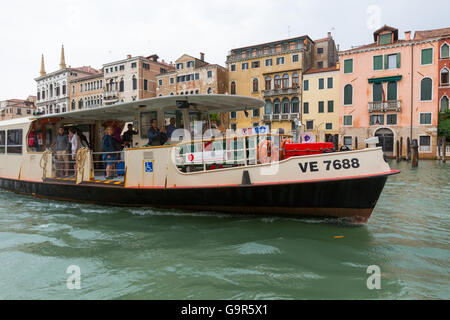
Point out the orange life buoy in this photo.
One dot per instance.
(282, 145)
(267, 152)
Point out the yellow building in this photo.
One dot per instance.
(272, 72)
(321, 103)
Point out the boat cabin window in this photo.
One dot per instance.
(2, 142)
(14, 145)
(145, 119)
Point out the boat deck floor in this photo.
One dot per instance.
(97, 181)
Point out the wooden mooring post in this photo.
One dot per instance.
(397, 151)
(414, 153)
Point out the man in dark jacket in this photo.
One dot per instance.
(156, 137)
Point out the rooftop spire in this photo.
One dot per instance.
(43, 73)
(62, 64)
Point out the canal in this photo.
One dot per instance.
(159, 254)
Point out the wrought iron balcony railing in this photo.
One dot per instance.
(394, 105)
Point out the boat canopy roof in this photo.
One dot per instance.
(211, 103)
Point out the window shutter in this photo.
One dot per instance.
(392, 91)
(377, 92)
(386, 61)
(398, 60)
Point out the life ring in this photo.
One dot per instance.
(282, 145)
(267, 152)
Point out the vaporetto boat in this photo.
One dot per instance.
(200, 168)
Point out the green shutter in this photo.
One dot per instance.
(427, 56)
(398, 60)
(330, 106)
(386, 61)
(445, 51)
(348, 66)
(321, 107)
(425, 89)
(392, 91)
(321, 83)
(348, 94)
(378, 63)
(377, 92)
(305, 107)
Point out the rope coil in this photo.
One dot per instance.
(81, 160)
(43, 163)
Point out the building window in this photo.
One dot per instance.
(320, 64)
(444, 77)
(172, 80)
(233, 126)
(376, 119)
(425, 118)
(330, 106)
(276, 106)
(392, 91)
(378, 63)
(348, 95)
(122, 67)
(280, 60)
(377, 92)
(255, 64)
(392, 61)
(321, 84)
(285, 81)
(209, 74)
(305, 107)
(233, 87)
(348, 120)
(295, 105)
(348, 66)
(245, 66)
(306, 85)
(233, 67)
(319, 50)
(385, 39)
(277, 82)
(121, 86)
(268, 107)
(321, 107)
(146, 84)
(255, 85)
(391, 119)
(134, 65)
(286, 105)
(190, 64)
(444, 51)
(426, 86)
(444, 104)
(328, 126)
(233, 114)
(348, 141)
(73, 104)
(255, 113)
(209, 91)
(160, 82)
(295, 58)
(268, 83)
(179, 66)
(146, 66)
(14, 141)
(197, 76)
(295, 80)
(425, 143)
(309, 124)
(330, 83)
(427, 56)
(268, 62)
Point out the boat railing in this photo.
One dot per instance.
(109, 165)
(224, 152)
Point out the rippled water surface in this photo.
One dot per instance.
(154, 254)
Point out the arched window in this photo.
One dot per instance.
(111, 85)
(295, 105)
(444, 51)
(134, 83)
(444, 104)
(295, 80)
(285, 81)
(121, 85)
(277, 82)
(268, 83)
(255, 85)
(233, 87)
(444, 77)
(276, 106)
(348, 94)
(268, 107)
(426, 87)
(209, 91)
(171, 93)
(197, 91)
(51, 90)
(392, 91)
(286, 105)
(80, 104)
(73, 104)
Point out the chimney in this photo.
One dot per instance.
(329, 34)
(202, 56)
(128, 56)
(407, 35)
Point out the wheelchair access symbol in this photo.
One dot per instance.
(148, 166)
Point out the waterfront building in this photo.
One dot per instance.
(17, 108)
(133, 78)
(389, 89)
(193, 76)
(320, 108)
(52, 88)
(274, 72)
(87, 92)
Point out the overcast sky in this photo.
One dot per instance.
(95, 32)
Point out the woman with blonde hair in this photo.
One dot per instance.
(108, 149)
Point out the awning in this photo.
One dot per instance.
(385, 79)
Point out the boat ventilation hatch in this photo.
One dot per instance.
(246, 178)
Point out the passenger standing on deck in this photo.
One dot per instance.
(62, 151)
(109, 145)
(76, 144)
(156, 137)
(171, 127)
(127, 137)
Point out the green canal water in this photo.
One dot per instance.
(153, 254)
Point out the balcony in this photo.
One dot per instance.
(280, 92)
(111, 95)
(394, 105)
(281, 117)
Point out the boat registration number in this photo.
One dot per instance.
(313, 166)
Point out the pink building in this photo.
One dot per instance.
(389, 89)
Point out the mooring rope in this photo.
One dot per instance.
(43, 163)
(81, 160)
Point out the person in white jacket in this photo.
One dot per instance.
(75, 141)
